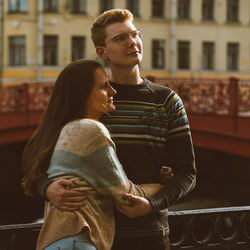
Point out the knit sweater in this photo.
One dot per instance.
(86, 154)
(150, 129)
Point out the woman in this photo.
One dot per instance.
(76, 146)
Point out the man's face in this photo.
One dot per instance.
(123, 45)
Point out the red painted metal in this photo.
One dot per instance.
(218, 111)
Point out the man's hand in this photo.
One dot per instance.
(166, 174)
(139, 206)
(63, 198)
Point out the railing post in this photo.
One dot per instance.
(26, 101)
(233, 93)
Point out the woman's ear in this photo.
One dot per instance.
(100, 51)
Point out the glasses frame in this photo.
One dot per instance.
(124, 37)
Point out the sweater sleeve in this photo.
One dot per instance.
(180, 148)
(85, 149)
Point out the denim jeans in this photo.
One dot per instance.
(76, 242)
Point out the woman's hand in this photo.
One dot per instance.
(165, 174)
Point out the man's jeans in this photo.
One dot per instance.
(76, 242)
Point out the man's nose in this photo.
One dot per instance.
(132, 40)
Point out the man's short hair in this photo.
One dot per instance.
(98, 34)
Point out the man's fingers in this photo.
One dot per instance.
(67, 183)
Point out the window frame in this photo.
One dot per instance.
(48, 6)
(105, 5)
(208, 56)
(187, 64)
(208, 10)
(158, 49)
(48, 46)
(18, 6)
(76, 7)
(159, 9)
(187, 11)
(233, 65)
(233, 7)
(134, 7)
(73, 45)
(16, 52)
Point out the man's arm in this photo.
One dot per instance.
(58, 194)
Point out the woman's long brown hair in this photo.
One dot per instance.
(67, 103)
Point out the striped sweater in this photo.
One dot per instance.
(86, 154)
(150, 128)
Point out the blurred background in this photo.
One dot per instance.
(199, 48)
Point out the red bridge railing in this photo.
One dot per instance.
(217, 108)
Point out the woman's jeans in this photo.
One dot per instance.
(76, 242)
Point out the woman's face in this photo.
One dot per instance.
(101, 96)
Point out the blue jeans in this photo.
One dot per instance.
(76, 242)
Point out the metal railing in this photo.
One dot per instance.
(217, 228)
(199, 95)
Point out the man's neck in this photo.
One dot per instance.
(126, 75)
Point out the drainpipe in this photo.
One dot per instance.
(39, 40)
(172, 38)
(1, 41)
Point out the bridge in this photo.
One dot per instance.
(218, 111)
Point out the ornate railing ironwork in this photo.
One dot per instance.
(217, 228)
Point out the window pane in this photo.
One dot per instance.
(184, 9)
(133, 6)
(105, 5)
(233, 56)
(17, 51)
(208, 10)
(50, 50)
(78, 6)
(50, 5)
(232, 10)
(78, 48)
(158, 8)
(208, 55)
(158, 54)
(183, 55)
(17, 5)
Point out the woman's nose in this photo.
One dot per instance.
(112, 91)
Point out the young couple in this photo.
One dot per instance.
(72, 158)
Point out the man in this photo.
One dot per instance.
(150, 129)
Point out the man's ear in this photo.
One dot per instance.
(100, 51)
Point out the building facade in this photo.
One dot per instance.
(182, 38)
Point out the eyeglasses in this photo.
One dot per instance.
(124, 38)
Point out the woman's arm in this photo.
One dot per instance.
(85, 149)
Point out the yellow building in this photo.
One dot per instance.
(181, 37)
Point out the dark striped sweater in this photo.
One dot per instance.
(150, 129)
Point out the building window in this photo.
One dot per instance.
(208, 55)
(17, 51)
(78, 47)
(183, 55)
(208, 10)
(133, 6)
(50, 50)
(232, 56)
(79, 6)
(184, 9)
(158, 8)
(232, 10)
(106, 5)
(50, 6)
(158, 54)
(17, 5)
